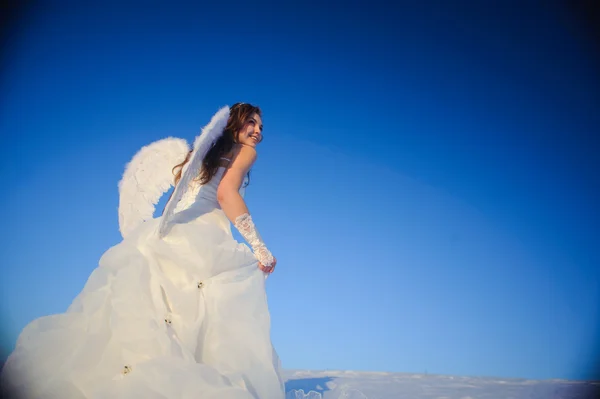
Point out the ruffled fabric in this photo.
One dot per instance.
(185, 316)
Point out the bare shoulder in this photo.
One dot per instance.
(243, 156)
(242, 159)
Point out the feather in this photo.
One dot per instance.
(209, 135)
(147, 177)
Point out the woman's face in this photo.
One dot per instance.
(251, 132)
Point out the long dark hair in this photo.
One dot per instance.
(239, 114)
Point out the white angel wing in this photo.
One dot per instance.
(147, 177)
(210, 133)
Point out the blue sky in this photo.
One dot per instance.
(427, 179)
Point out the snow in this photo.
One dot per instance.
(378, 385)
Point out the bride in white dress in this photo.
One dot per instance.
(178, 308)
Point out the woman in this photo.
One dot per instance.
(176, 315)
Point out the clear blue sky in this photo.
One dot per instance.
(428, 178)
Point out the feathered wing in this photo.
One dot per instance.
(210, 133)
(147, 177)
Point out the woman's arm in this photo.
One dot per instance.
(234, 206)
(228, 192)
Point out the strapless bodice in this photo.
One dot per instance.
(204, 197)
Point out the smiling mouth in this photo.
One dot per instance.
(254, 138)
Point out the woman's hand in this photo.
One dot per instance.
(268, 269)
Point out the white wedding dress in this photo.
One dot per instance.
(184, 316)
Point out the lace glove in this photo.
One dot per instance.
(246, 227)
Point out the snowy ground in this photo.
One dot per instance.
(371, 385)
